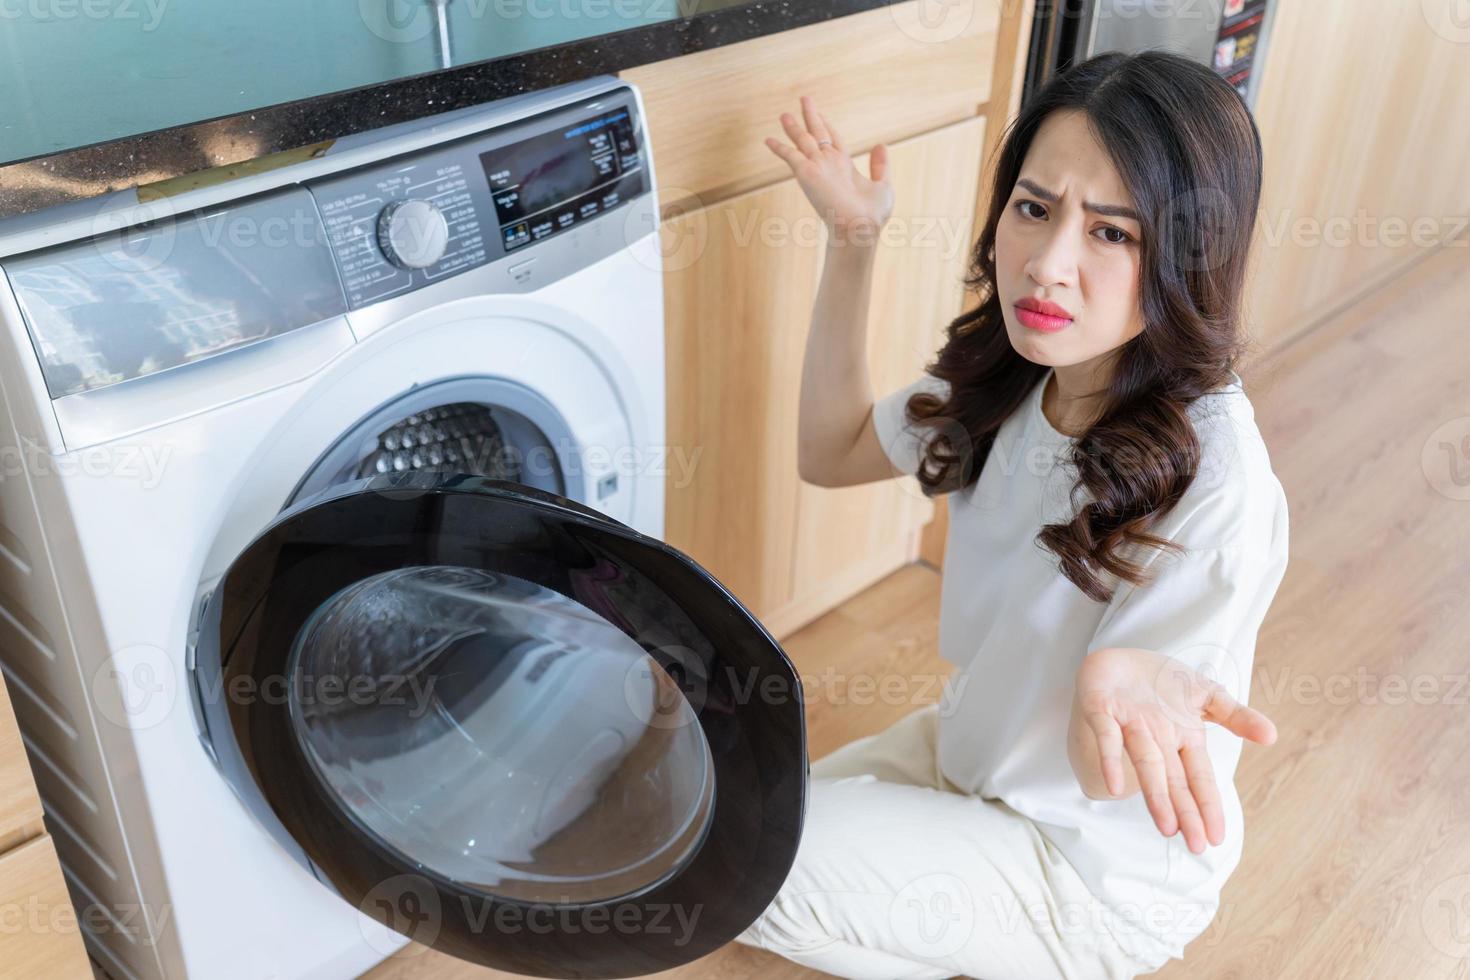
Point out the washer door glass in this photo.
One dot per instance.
(500, 734)
(506, 725)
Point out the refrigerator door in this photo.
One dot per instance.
(1228, 35)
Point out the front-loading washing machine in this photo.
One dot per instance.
(333, 604)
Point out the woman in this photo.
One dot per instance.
(1116, 535)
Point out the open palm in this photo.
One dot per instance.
(1155, 709)
(847, 202)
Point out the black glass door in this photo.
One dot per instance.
(507, 725)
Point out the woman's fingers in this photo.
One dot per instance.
(1185, 809)
(783, 151)
(1241, 719)
(1148, 761)
(803, 139)
(815, 124)
(832, 132)
(878, 163)
(1206, 792)
(1109, 746)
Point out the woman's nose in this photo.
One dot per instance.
(1054, 257)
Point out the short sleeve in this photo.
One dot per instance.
(1204, 610)
(896, 435)
(1205, 607)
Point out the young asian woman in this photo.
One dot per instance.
(1116, 536)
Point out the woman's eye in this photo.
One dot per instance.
(1122, 235)
(1021, 207)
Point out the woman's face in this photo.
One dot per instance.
(1062, 240)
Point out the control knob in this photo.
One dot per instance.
(412, 234)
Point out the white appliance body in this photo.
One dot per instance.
(122, 504)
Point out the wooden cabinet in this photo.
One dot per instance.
(735, 301)
(20, 809)
(741, 277)
(849, 537)
(743, 257)
(39, 932)
(1362, 125)
(881, 76)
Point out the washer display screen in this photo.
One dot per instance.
(552, 181)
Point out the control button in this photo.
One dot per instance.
(413, 234)
(521, 271)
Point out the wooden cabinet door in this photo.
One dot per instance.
(850, 537)
(740, 279)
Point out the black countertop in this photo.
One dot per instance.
(89, 171)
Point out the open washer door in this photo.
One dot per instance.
(506, 725)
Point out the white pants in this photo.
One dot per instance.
(899, 874)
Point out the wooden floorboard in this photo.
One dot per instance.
(1357, 855)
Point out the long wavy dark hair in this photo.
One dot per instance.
(1185, 145)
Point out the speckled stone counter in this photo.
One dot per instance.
(89, 171)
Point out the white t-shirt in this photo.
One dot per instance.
(1017, 630)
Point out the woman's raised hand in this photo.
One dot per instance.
(849, 204)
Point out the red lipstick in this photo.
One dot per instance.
(1039, 314)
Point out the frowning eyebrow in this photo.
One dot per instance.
(1111, 210)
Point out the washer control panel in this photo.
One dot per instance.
(412, 220)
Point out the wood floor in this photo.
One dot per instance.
(1357, 856)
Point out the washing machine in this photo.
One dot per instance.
(333, 603)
